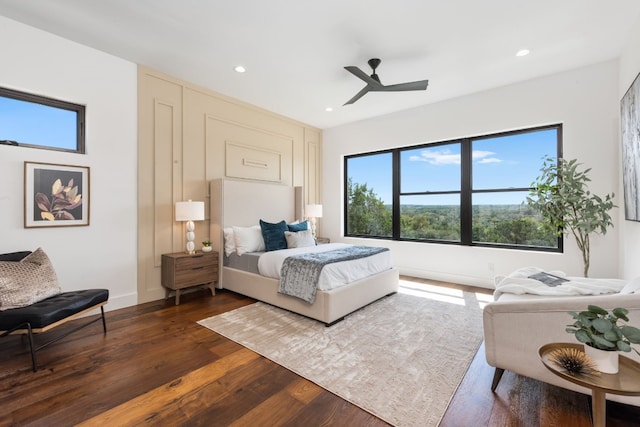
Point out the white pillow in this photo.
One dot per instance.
(633, 287)
(299, 239)
(248, 239)
(229, 241)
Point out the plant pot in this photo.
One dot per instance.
(207, 249)
(605, 361)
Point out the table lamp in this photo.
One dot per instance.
(312, 212)
(190, 211)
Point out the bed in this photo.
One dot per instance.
(238, 203)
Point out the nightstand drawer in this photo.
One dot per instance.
(195, 261)
(194, 275)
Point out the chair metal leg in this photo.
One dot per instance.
(104, 321)
(34, 360)
(496, 378)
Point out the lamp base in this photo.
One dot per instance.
(312, 220)
(190, 247)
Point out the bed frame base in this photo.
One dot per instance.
(342, 318)
(329, 307)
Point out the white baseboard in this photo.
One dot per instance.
(482, 282)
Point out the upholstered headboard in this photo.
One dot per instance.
(244, 203)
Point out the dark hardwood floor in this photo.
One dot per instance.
(156, 366)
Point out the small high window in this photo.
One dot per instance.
(35, 121)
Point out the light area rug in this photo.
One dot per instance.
(400, 358)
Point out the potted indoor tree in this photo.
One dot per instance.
(561, 195)
(602, 336)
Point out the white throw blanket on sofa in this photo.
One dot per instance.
(519, 283)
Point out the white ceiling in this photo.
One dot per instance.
(295, 50)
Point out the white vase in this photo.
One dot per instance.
(605, 361)
(207, 249)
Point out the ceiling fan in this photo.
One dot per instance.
(374, 84)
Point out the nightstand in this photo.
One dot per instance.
(322, 240)
(181, 270)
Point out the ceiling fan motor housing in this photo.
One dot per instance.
(373, 63)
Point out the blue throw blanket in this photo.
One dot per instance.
(300, 273)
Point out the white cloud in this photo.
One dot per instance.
(485, 157)
(446, 157)
(437, 157)
(489, 160)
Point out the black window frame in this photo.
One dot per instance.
(466, 190)
(79, 109)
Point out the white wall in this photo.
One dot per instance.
(103, 254)
(630, 230)
(584, 100)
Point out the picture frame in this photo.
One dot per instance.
(56, 195)
(630, 137)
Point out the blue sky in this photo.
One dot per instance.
(36, 124)
(500, 162)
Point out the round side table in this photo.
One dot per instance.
(625, 382)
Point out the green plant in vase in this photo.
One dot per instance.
(603, 337)
(599, 329)
(206, 246)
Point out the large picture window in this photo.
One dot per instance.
(28, 120)
(470, 191)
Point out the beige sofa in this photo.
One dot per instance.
(516, 326)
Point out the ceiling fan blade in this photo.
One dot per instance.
(374, 85)
(362, 76)
(417, 85)
(358, 95)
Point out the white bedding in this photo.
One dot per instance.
(519, 283)
(333, 275)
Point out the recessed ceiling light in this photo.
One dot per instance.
(523, 52)
(240, 69)
(329, 109)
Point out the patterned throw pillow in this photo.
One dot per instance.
(27, 281)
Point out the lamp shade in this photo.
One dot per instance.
(189, 211)
(313, 211)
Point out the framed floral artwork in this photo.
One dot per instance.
(55, 195)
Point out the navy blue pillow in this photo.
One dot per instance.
(273, 235)
(301, 226)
